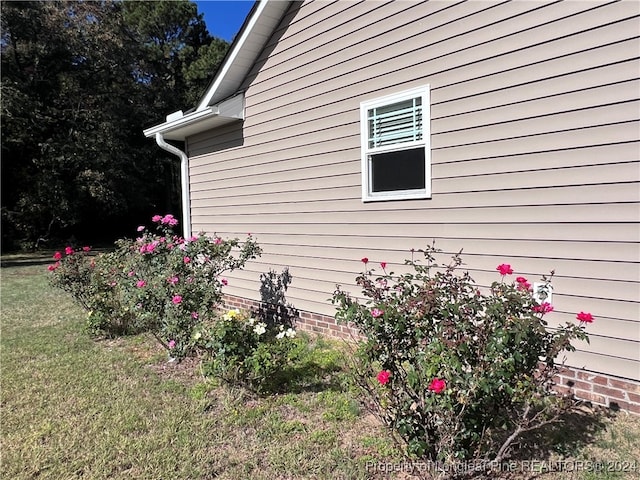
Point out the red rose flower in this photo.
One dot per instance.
(437, 385)
(57, 256)
(585, 317)
(383, 265)
(68, 251)
(365, 260)
(504, 269)
(383, 377)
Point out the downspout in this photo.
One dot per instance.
(184, 182)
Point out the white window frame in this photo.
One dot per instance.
(367, 188)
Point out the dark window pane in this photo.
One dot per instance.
(402, 170)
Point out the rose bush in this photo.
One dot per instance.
(456, 373)
(159, 282)
(243, 350)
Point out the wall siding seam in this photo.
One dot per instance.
(391, 85)
(436, 87)
(266, 131)
(542, 116)
(532, 135)
(335, 26)
(457, 36)
(435, 162)
(492, 58)
(325, 5)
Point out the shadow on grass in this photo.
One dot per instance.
(41, 257)
(562, 440)
(317, 366)
(26, 259)
(320, 370)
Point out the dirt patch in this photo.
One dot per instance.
(186, 371)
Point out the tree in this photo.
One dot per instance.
(80, 80)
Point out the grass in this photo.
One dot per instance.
(74, 407)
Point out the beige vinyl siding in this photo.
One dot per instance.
(535, 153)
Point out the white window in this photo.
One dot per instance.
(396, 155)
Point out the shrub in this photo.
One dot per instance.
(72, 273)
(456, 373)
(256, 348)
(159, 283)
(244, 350)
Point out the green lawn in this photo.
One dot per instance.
(75, 407)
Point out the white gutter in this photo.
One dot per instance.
(177, 120)
(184, 182)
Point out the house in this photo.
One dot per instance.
(512, 128)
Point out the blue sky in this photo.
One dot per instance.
(224, 17)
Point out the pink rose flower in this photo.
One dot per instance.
(543, 308)
(131, 273)
(169, 220)
(504, 269)
(217, 241)
(140, 228)
(141, 283)
(86, 249)
(156, 218)
(177, 299)
(383, 377)
(521, 280)
(51, 268)
(376, 312)
(437, 385)
(172, 343)
(585, 317)
(193, 238)
(186, 260)
(57, 256)
(364, 260)
(68, 251)
(173, 280)
(194, 315)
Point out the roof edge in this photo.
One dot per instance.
(265, 12)
(246, 46)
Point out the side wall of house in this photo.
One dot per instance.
(535, 153)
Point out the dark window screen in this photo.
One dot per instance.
(401, 170)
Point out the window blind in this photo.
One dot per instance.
(396, 123)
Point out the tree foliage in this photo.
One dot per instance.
(80, 81)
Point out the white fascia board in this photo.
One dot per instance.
(245, 51)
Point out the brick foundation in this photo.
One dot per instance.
(613, 392)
